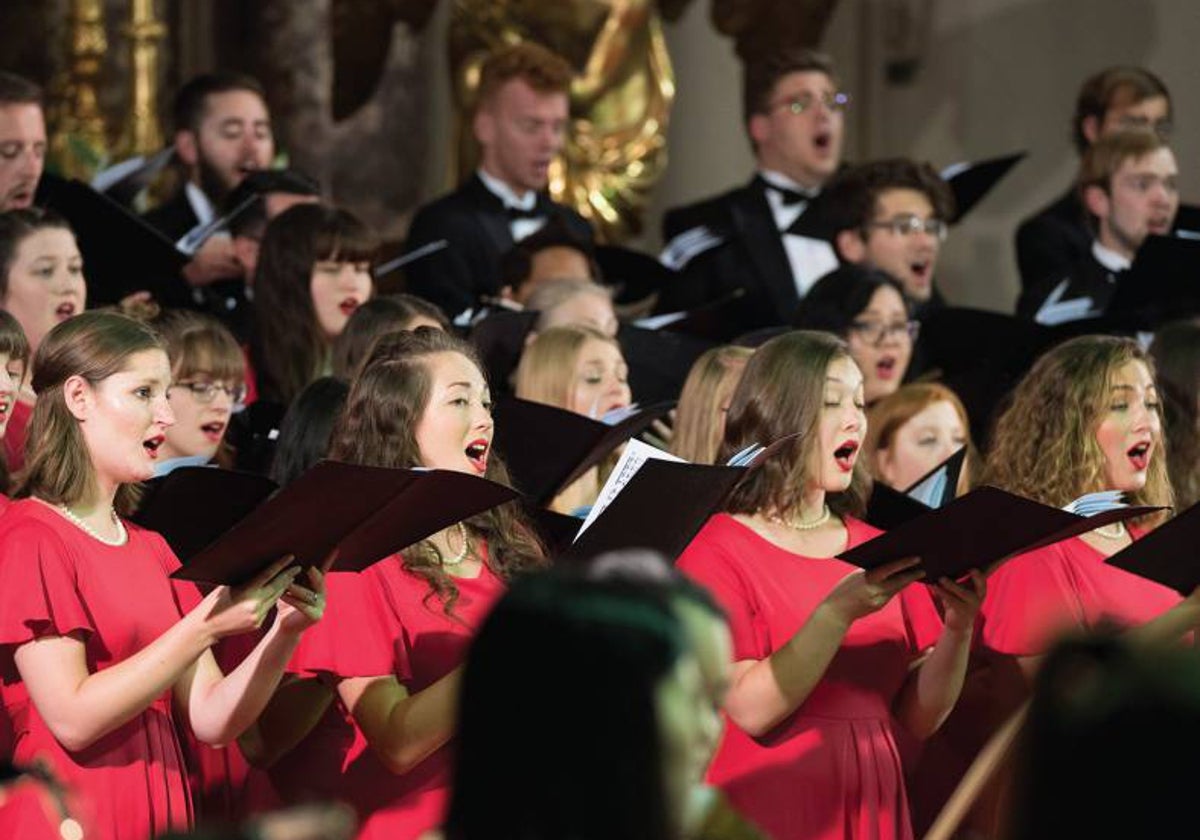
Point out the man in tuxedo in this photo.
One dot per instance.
(892, 215)
(222, 133)
(1115, 99)
(22, 141)
(1128, 186)
(520, 121)
(763, 240)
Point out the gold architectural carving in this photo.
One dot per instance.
(620, 100)
(142, 133)
(79, 144)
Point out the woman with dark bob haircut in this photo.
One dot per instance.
(827, 659)
(580, 699)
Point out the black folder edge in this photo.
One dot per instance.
(614, 436)
(862, 555)
(890, 508)
(196, 569)
(1151, 556)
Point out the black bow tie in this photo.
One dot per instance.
(515, 213)
(790, 197)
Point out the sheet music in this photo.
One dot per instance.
(636, 453)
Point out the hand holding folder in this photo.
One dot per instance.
(345, 517)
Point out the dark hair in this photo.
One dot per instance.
(646, 568)
(378, 428)
(557, 650)
(289, 349)
(840, 296)
(307, 428)
(191, 100)
(15, 226)
(781, 393)
(374, 318)
(14, 345)
(517, 263)
(1176, 353)
(17, 90)
(261, 182)
(94, 345)
(1109, 727)
(851, 199)
(537, 66)
(760, 76)
(1101, 91)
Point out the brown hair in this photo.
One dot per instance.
(547, 366)
(760, 77)
(781, 394)
(549, 296)
(17, 90)
(540, 68)
(377, 428)
(1044, 446)
(94, 345)
(197, 343)
(853, 197)
(710, 383)
(1104, 157)
(376, 317)
(15, 227)
(289, 349)
(889, 414)
(1176, 352)
(1102, 91)
(191, 101)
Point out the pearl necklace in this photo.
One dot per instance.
(1117, 532)
(800, 524)
(462, 552)
(120, 540)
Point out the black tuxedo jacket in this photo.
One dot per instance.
(474, 227)
(1086, 278)
(745, 252)
(1052, 241)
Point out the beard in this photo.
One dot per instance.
(213, 183)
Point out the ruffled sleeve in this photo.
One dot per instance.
(709, 563)
(351, 639)
(1029, 602)
(39, 588)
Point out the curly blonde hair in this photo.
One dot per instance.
(1045, 445)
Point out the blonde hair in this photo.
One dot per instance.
(699, 417)
(1045, 446)
(888, 415)
(547, 366)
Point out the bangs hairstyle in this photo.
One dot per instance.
(290, 349)
(1104, 157)
(853, 197)
(1044, 446)
(709, 385)
(838, 298)
(377, 428)
(541, 69)
(93, 345)
(782, 393)
(197, 343)
(889, 414)
(547, 366)
(15, 227)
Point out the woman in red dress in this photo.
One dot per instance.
(1086, 418)
(394, 650)
(98, 649)
(827, 659)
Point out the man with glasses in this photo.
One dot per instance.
(762, 240)
(1115, 99)
(891, 215)
(1128, 186)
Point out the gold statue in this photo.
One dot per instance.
(620, 99)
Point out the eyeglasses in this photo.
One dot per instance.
(835, 102)
(206, 392)
(876, 332)
(908, 224)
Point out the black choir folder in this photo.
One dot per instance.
(1168, 554)
(978, 530)
(546, 448)
(889, 508)
(358, 515)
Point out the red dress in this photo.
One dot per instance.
(55, 580)
(14, 435)
(385, 622)
(832, 769)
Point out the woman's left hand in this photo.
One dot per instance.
(300, 607)
(962, 600)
